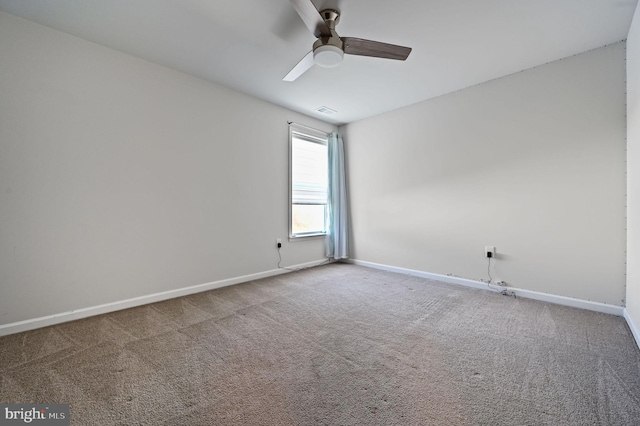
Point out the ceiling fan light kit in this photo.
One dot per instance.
(329, 48)
(328, 56)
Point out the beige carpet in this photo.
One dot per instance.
(333, 345)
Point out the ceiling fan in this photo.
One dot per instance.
(329, 48)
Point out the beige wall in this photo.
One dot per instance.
(533, 163)
(120, 178)
(633, 173)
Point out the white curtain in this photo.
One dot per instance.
(338, 227)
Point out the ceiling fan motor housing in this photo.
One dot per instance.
(328, 51)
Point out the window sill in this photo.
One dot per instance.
(293, 238)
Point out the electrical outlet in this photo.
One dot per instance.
(489, 251)
(278, 242)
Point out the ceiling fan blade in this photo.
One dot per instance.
(359, 46)
(311, 17)
(302, 67)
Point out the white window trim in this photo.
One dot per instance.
(312, 135)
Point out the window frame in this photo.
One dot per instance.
(311, 135)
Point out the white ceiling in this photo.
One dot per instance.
(249, 45)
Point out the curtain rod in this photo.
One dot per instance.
(302, 125)
(308, 127)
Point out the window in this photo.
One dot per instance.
(309, 182)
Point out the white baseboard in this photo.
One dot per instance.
(528, 294)
(632, 326)
(76, 314)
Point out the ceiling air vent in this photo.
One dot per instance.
(326, 110)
